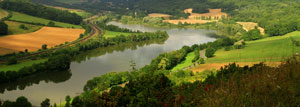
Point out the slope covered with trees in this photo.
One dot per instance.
(41, 11)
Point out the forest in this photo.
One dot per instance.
(41, 11)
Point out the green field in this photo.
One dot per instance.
(18, 66)
(110, 34)
(268, 49)
(187, 62)
(3, 13)
(83, 14)
(14, 28)
(69, 1)
(27, 18)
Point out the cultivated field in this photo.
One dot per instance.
(27, 18)
(33, 41)
(3, 13)
(251, 25)
(159, 15)
(79, 12)
(14, 28)
(217, 66)
(268, 49)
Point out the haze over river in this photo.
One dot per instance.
(56, 86)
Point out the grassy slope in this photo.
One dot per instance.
(27, 18)
(13, 28)
(20, 65)
(3, 13)
(110, 34)
(83, 14)
(187, 62)
(268, 49)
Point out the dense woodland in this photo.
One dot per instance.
(41, 11)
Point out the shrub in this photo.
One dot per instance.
(44, 47)
(12, 60)
(22, 26)
(210, 52)
(227, 48)
(3, 28)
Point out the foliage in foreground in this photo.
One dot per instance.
(232, 85)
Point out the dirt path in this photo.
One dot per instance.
(95, 31)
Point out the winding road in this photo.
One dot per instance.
(94, 32)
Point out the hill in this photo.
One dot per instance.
(16, 16)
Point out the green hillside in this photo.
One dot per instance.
(14, 28)
(31, 19)
(268, 49)
(3, 13)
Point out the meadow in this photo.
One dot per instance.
(14, 28)
(269, 49)
(187, 62)
(3, 13)
(111, 34)
(17, 67)
(31, 19)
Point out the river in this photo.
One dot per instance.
(56, 86)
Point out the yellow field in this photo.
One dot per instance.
(217, 66)
(251, 25)
(34, 41)
(158, 15)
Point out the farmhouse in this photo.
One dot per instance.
(214, 14)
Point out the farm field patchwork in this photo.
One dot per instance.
(27, 18)
(33, 41)
(268, 49)
(14, 28)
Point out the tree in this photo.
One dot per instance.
(12, 60)
(51, 24)
(22, 102)
(44, 47)
(210, 52)
(3, 28)
(46, 103)
(22, 26)
(68, 99)
(77, 102)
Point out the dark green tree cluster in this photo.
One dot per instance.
(115, 28)
(3, 28)
(252, 35)
(20, 102)
(41, 11)
(246, 88)
(210, 52)
(54, 64)
(104, 42)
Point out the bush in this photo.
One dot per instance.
(210, 52)
(44, 47)
(51, 24)
(239, 46)
(12, 60)
(22, 26)
(227, 48)
(3, 28)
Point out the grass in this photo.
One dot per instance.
(27, 18)
(83, 14)
(13, 28)
(3, 13)
(110, 34)
(19, 66)
(187, 62)
(268, 49)
(69, 1)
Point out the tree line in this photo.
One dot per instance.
(41, 11)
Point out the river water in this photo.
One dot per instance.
(97, 62)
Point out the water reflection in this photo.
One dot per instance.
(21, 84)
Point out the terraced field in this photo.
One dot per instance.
(3, 13)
